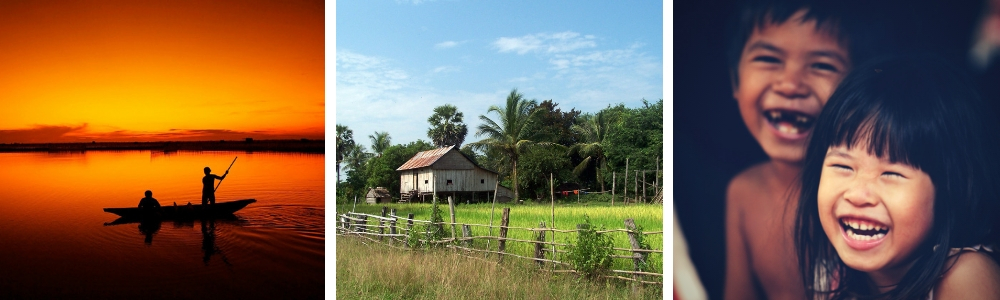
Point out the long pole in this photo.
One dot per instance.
(552, 221)
(496, 187)
(625, 187)
(227, 172)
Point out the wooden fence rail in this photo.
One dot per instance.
(356, 224)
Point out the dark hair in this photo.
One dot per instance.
(920, 111)
(865, 29)
(149, 193)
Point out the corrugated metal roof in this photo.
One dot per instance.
(424, 158)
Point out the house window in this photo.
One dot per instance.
(425, 181)
(449, 182)
(482, 181)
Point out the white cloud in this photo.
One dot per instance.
(374, 95)
(447, 44)
(545, 42)
(372, 72)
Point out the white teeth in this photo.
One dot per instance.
(801, 119)
(785, 128)
(866, 227)
(851, 234)
(775, 114)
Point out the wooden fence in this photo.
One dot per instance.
(389, 229)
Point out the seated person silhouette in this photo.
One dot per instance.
(207, 190)
(149, 203)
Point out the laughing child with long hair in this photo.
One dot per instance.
(900, 188)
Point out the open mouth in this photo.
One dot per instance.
(790, 122)
(863, 230)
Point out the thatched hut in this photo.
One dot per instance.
(378, 195)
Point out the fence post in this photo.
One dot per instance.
(613, 188)
(625, 185)
(392, 225)
(381, 223)
(364, 223)
(637, 257)
(409, 223)
(451, 208)
(467, 233)
(356, 221)
(539, 247)
(504, 219)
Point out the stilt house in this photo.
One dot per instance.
(447, 172)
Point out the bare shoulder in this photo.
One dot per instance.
(973, 275)
(748, 182)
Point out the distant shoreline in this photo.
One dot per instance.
(302, 145)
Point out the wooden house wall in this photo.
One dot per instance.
(474, 180)
(424, 182)
(453, 160)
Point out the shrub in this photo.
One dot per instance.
(429, 232)
(591, 254)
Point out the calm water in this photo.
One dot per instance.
(54, 242)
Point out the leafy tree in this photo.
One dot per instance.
(381, 170)
(355, 160)
(380, 142)
(513, 133)
(638, 137)
(593, 132)
(558, 123)
(356, 157)
(345, 140)
(535, 165)
(446, 127)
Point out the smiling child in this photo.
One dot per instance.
(790, 58)
(900, 188)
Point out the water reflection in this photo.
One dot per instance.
(149, 228)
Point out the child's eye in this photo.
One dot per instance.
(767, 59)
(825, 67)
(893, 174)
(841, 167)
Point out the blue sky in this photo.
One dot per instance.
(397, 60)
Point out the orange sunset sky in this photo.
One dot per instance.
(73, 71)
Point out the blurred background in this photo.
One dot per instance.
(711, 144)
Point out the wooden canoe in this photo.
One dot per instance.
(183, 211)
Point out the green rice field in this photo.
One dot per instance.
(567, 216)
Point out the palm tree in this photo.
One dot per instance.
(345, 141)
(593, 130)
(380, 142)
(355, 157)
(512, 134)
(447, 127)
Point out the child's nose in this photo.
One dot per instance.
(860, 193)
(790, 84)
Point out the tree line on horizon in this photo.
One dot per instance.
(522, 139)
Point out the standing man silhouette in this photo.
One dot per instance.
(208, 190)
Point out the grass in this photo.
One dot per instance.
(367, 270)
(567, 215)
